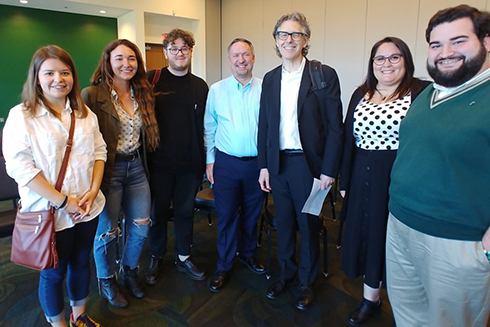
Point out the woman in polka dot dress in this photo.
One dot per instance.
(375, 112)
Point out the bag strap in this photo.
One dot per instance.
(69, 144)
(318, 82)
(316, 75)
(156, 77)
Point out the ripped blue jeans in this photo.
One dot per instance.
(130, 191)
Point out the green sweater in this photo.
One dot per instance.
(440, 182)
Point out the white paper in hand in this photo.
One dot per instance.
(314, 203)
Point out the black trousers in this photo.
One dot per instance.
(290, 189)
(180, 191)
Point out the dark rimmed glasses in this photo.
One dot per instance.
(394, 59)
(174, 51)
(283, 36)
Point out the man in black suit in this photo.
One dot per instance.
(300, 138)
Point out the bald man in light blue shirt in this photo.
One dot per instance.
(230, 136)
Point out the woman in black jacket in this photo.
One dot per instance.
(122, 99)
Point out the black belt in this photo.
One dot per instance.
(245, 158)
(292, 152)
(127, 157)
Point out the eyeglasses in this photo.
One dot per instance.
(283, 36)
(174, 51)
(394, 59)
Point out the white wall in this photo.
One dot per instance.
(343, 31)
(149, 19)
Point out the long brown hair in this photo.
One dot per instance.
(142, 89)
(407, 83)
(32, 93)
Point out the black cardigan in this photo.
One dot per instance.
(349, 142)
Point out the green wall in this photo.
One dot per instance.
(24, 30)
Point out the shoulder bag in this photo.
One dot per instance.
(34, 238)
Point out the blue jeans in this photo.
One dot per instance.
(129, 189)
(74, 247)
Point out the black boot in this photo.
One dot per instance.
(153, 273)
(365, 310)
(132, 283)
(108, 289)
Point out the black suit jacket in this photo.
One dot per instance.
(320, 126)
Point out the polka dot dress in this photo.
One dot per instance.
(376, 125)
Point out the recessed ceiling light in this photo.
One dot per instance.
(24, 1)
(102, 11)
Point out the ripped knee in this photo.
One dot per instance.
(142, 221)
(109, 235)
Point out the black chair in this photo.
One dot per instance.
(268, 224)
(204, 200)
(8, 187)
(8, 191)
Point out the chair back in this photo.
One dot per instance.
(8, 187)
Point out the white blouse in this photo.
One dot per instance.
(35, 144)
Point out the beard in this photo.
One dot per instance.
(470, 67)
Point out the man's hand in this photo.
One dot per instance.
(209, 172)
(264, 180)
(325, 181)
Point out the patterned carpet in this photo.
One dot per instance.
(179, 301)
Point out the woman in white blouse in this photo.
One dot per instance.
(37, 132)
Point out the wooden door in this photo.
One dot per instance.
(154, 56)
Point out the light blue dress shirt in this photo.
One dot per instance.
(232, 117)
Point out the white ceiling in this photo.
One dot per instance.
(69, 6)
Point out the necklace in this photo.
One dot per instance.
(383, 98)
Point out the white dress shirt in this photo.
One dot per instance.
(35, 144)
(288, 126)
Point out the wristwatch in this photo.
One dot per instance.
(487, 253)
(63, 204)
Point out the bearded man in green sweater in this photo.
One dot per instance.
(438, 264)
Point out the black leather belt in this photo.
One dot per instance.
(127, 157)
(246, 158)
(292, 152)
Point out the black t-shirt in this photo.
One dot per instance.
(179, 111)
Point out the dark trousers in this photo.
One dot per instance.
(239, 200)
(180, 191)
(290, 189)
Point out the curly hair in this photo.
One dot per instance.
(176, 33)
(142, 89)
(297, 17)
(32, 94)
